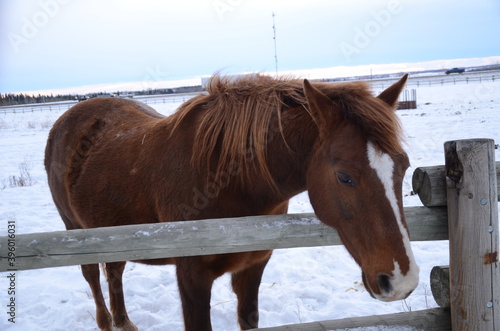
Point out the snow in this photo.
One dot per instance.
(299, 285)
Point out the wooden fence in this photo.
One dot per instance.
(65, 105)
(425, 80)
(470, 222)
(23, 109)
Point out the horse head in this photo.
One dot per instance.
(355, 177)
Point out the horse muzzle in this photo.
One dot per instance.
(386, 288)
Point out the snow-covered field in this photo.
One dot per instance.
(299, 285)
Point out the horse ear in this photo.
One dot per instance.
(320, 106)
(391, 94)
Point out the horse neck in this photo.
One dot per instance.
(289, 150)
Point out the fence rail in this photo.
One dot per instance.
(23, 109)
(436, 319)
(190, 238)
(61, 106)
(429, 80)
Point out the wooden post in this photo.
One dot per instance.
(430, 184)
(473, 227)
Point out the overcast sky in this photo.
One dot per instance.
(49, 44)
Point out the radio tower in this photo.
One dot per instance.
(275, 54)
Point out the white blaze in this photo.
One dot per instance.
(383, 165)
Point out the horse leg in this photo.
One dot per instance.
(246, 286)
(103, 317)
(195, 286)
(114, 272)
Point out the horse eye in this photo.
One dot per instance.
(345, 179)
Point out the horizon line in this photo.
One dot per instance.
(315, 73)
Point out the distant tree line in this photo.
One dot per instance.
(183, 89)
(155, 91)
(9, 99)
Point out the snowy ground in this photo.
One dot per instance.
(299, 285)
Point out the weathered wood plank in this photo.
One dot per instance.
(436, 319)
(426, 224)
(430, 184)
(440, 285)
(473, 227)
(215, 236)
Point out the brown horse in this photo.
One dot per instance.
(245, 148)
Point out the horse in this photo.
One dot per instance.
(245, 147)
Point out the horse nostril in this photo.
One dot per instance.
(363, 276)
(384, 283)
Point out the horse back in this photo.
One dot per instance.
(76, 136)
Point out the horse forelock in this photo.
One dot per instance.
(377, 121)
